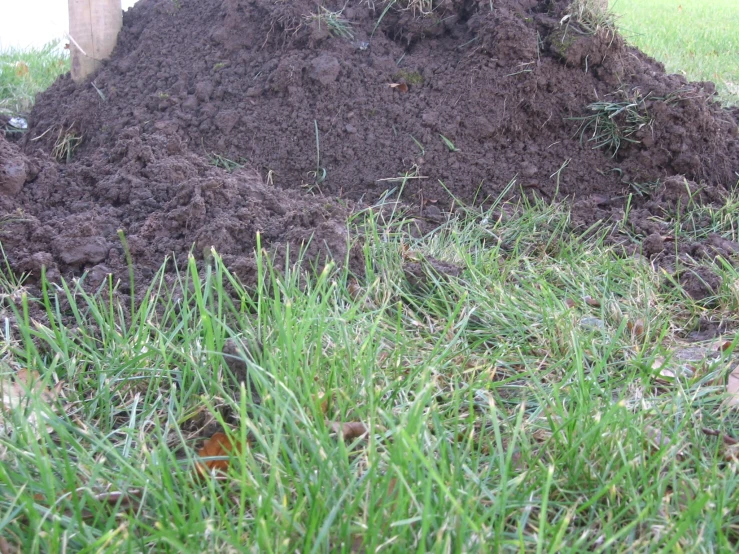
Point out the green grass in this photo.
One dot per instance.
(23, 73)
(697, 38)
(500, 417)
(540, 401)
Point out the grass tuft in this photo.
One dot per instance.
(613, 123)
(334, 21)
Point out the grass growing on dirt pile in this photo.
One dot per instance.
(501, 416)
(696, 38)
(23, 73)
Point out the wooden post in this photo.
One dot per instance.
(93, 32)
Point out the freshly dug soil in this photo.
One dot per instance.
(466, 100)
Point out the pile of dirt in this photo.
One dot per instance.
(167, 201)
(326, 104)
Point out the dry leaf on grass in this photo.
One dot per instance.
(21, 69)
(128, 501)
(732, 386)
(590, 301)
(656, 441)
(216, 450)
(730, 446)
(16, 390)
(636, 328)
(350, 430)
(731, 441)
(7, 548)
(400, 87)
(354, 290)
(327, 402)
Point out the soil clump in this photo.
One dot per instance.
(322, 107)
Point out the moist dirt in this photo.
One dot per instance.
(215, 120)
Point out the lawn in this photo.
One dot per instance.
(23, 73)
(697, 38)
(544, 399)
(535, 392)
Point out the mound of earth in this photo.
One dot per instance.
(332, 102)
(167, 201)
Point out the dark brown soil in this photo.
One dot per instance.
(256, 81)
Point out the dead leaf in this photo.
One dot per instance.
(636, 327)
(731, 441)
(350, 430)
(125, 501)
(590, 301)
(7, 548)
(354, 290)
(21, 69)
(732, 386)
(328, 402)
(730, 447)
(570, 303)
(400, 87)
(16, 389)
(656, 440)
(218, 446)
(720, 345)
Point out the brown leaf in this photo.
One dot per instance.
(400, 87)
(590, 301)
(16, 388)
(570, 303)
(730, 448)
(720, 345)
(217, 446)
(328, 402)
(21, 69)
(636, 327)
(354, 290)
(350, 430)
(731, 441)
(7, 548)
(129, 501)
(732, 386)
(391, 486)
(656, 441)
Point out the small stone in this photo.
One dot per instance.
(350, 129)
